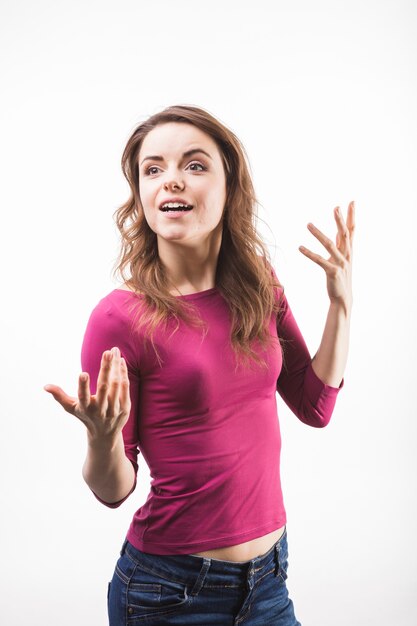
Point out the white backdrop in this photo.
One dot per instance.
(323, 96)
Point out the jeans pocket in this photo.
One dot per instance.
(282, 573)
(149, 594)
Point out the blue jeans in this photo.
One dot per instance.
(186, 590)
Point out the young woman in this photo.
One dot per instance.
(182, 362)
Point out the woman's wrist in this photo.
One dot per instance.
(104, 443)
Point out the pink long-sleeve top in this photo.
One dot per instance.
(209, 435)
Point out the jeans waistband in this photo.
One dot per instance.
(188, 568)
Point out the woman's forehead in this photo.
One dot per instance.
(176, 137)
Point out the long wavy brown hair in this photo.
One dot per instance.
(244, 274)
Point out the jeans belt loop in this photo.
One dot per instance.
(123, 550)
(277, 566)
(201, 576)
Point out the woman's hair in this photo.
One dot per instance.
(244, 274)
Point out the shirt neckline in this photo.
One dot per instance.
(188, 296)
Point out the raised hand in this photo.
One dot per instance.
(338, 266)
(105, 413)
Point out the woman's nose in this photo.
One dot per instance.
(173, 181)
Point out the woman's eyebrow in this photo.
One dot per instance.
(186, 154)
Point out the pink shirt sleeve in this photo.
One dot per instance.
(310, 399)
(108, 327)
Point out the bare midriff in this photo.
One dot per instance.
(245, 551)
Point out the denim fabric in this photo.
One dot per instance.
(188, 590)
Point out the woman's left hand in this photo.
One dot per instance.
(338, 266)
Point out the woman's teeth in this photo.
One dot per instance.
(174, 206)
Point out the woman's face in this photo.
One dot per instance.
(197, 179)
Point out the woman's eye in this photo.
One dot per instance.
(153, 167)
(199, 165)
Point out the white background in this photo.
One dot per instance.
(323, 97)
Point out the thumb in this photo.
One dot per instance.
(60, 396)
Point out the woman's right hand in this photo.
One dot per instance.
(105, 413)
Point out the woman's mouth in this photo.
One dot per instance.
(177, 212)
(176, 209)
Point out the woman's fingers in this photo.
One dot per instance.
(327, 243)
(350, 221)
(84, 394)
(66, 401)
(342, 250)
(103, 380)
(111, 403)
(114, 385)
(124, 388)
(343, 237)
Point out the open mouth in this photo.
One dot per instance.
(176, 209)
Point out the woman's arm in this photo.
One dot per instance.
(107, 471)
(308, 397)
(111, 464)
(329, 362)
